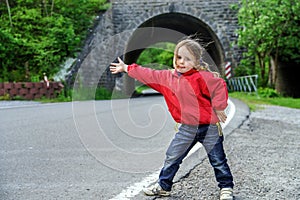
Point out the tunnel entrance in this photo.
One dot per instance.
(171, 27)
(185, 25)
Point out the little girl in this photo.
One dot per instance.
(196, 98)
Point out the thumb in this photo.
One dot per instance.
(120, 60)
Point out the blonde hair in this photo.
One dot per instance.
(196, 51)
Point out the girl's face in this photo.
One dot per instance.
(185, 61)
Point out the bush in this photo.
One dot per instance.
(267, 93)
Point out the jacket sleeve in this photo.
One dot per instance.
(218, 92)
(153, 78)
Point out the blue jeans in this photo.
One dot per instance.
(184, 140)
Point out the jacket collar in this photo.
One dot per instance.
(192, 71)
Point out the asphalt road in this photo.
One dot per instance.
(81, 150)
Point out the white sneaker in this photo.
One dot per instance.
(156, 190)
(226, 194)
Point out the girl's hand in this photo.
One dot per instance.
(221, 115)
(118, 67)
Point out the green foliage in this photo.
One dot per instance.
(244, 69)
(158, 56)
(82, 94)
(267, 92)
(5, 97)
(234, 6)
(269, 29)
(35, 79)
(102, 94)
(140, 89)
(38, 36)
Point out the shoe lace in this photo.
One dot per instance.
(226, 192)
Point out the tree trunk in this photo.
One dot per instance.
(262, 68)
(9, 13)
(276, 65)
(45, 7)
(272, 72)
(52, 7)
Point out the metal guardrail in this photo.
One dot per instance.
(243, 83)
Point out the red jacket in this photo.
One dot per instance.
(191, 97)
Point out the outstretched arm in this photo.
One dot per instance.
(118, 67)
(153, 78)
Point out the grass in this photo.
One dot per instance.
(254, 100)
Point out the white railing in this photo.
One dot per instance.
(243, 83)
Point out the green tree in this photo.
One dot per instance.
(270, 32)
(37, 36)
(158, 56)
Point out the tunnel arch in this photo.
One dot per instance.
(170, 27)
